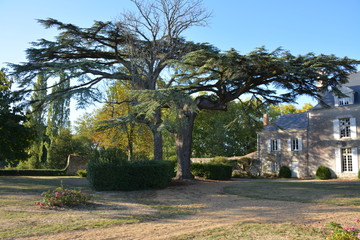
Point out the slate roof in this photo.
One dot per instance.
(300, 120)
(289, 121)
(353, 84)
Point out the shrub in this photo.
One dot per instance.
(173, 167)
(62, 197)
(211, 171)
(35, 172)
(129, 175)
(323, 173)
(81, 173)
(284, 172)
(359, 174)
(343, 233)
(111, 155)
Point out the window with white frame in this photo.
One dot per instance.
(274, 166)
(346, 160)
(345, 127)
(344, 101)
(295, 144)
(274, 145)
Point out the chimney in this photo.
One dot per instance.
(266, 119)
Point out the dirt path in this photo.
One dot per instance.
(218, 209)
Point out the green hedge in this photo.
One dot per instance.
(323, 173)
(212, 171)
(284, 172)
(35, 172)
(106, 176)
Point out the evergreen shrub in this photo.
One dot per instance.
(284, 172)
(323, 173)
(212, 170)
(105, 176)
(34, 172)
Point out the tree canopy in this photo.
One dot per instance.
(15, 137)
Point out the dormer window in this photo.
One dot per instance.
(344, 101)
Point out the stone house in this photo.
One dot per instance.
(323, 136)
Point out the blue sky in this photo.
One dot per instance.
(300, 26)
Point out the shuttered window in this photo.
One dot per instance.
(344, 128)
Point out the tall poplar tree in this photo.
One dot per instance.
(58, 118)
(37, 121)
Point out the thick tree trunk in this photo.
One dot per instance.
(158, 145)
(158, 140)
(183, 141)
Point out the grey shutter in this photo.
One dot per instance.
(338, 160)
(353, 128)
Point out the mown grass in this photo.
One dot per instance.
(257, 231)
(328, 192)
(20, 217)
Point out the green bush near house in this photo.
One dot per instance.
(359, 174)
(212, 170)
(122, 175)
(284, 172)
(323, 173)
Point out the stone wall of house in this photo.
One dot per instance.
(273, 160)
(324, 143)
(75, 163)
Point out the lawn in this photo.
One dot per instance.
(21, 217)
(328, 192)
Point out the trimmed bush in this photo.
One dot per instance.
(284, 172)
(129, 175)
(81, 173)
(323, 173)
(35, 172)
(173, 167)
(211, 171)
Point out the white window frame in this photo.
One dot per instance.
(274, 145)
(295, 144)
(342, 160)
(345, 131)
(344, 101)
(274, 167)
(345, 127)
(346, 160)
